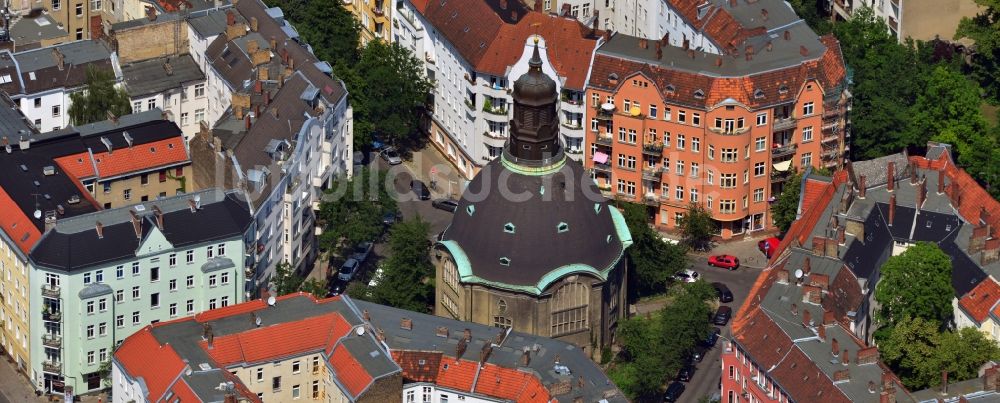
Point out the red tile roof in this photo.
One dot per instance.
(16, 225)
(456, 374)
(495, 381)
(182, 390)
(280, 340)
(510, 384)
(141, 157)
(978, 302)
(812, 192)
(142, 356)
(349, 371)
(79, 166)
(491, 43)
(413, 370)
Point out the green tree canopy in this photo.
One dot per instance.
(98, 98)
(984, 29)
(351, 211)
(697, 227)
(331, 29)
(651, 262)
(950, 102)
(785, 209)
(407, 280)
(915, 284)
(285, 281)
(917, 351)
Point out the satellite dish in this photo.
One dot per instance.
(256, 320)
(360, 331)
(798, 273)
(38, 214)
(271, 300)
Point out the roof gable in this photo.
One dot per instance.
(154, 242)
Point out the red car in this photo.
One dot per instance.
(724, 261)
(768, 246)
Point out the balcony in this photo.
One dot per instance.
(602, 167)
(784, 123)
(51, 291)
(572, 125)
(52, 366)
(653, 149)
(730, 131)
(651, 199)
(470, 105)
(652, 174)
(51, 340)
(831, 154)
(604, 114)
(379, 11)
(52, 316)
(604, 139)
(496, 110)
(783, 151)
(780, 176)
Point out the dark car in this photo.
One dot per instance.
(768, 246)
(713, 336)
(723, 292)
(673, 392)
(420, 190)
(388, 219)
(449, 205)
(686, 373)
(337, 288)
(697, 355)
(722, 315)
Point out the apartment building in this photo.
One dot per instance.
(669, 126)
(811, 309)
(41, 80)
(918, 19)
(175, 85)
(97, 278)
(80, 18)
(296, 347)
(285, 133)
(33, 31)
(473, 50)
(374, 16)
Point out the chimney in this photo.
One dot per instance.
(834, 347)
(100, 230)
(59, 59)
(643, 43)
(665, 40)
(732, 3)
(763, 14)
(867, 356)
(890, 175)
(687, 44)
(843, 375)
(150, 13)
(862, 187)
(485, 353)
(230, 18)
(593, 25)
(806, 266)
(991, 251)
(806, 318)
(526, 357)
(273, 43)
(892, 209)
(748, 52)
(247, 123)
(690, 53)
(406, 324)
(192, 205)
(159, 217)
(267, 98)
(913, 175)
(940, 188)
(538, 5)
(253, 24)
(718, 61)
(229, 397)
(274, 111)
(513, 15)
(841, 235)
(136, 224)
(944, 382)
(442, 331)
(207, 333)
(921, 193)
(783, 276)
(991, 378)
(770, 46)
(659, 51)
(252, 47)
(977, 239)
(845, 357)
(804, 51)
(168, 68)
(788, 35)
(795, 308)
(821, 333)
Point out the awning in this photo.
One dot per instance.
(601, 158)
(783, 166)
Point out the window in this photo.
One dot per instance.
(224, 301)
(276, 384)
(151, 104)
(708, 203)
(295, 392)
(86, 278)
(621, 134)
(807, 159)
(679, 167)
(682, 116)
(760, 144)
(679, 193)
(746, 176)
(120, 321)
(315, 390)
(694, 195)
(694, 169)
(95, 5)
(666, 139)
(695, 144)
(135, 268)
(102, 329)
(711, 151)
(55, 111)
(696, 119)
(224, 278)
(710, 176)
(209, 251)
(570, 308)
(189, 256)
(652, 111)
(154, 300)
(172, 260)
(807, 109)
(758, 195)
(727, 181)
(199, 90)
(593, 125)
(135, 292)
(90, 307)
(137, 107)
(595, 99)
(135, 318)
(190, 306)
(729, 155)
(38, 104)
(727, 206)
(212, 304)
(184, 118)
(758, 169)
(296, 367)
(102, 305)
(120, 296)
(199, 115)
(79, 34)
(173, 309)
(761, 119)
(260, 374)
(212, 280)
(621, 160)
(807, 134)
(154, 274)
(127, 194)
(631, 136)
(190, 281)
(79, 9)
(90, 358)
(680, 142)
(120, 272)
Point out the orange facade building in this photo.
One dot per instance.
(670, 126)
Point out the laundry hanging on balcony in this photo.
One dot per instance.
(783, 166)
(601, 158)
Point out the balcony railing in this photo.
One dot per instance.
(780, 176)
(605, 115)
(572, 125)
(653, 148)
(494, 135)
(651, 199)
(51, 291)
(378, 11)
(730, 132)
(602, 167)
(52, 316)
(604, 139)
(470, 105)
(652, 174)
(782, 151)
(784, 123)
(52, 366)
(51, 340)
(831, 154)
(496, 110)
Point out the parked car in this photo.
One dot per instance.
(390, 156)
(723, 292)
(697, 355)
(390, 218)
(713, 336)
(420, 190)
(687, 276)
(768, 246)
(722, 315)
(337, 288)
(724, 261)
(673, 392)
(449, 205)
(348, 269)
(362, 251)
(686, 373)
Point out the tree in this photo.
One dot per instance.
(915, 284)
(389, 90)
(284, 280)
(697, 227)
(785, 209)
(984, 29)
(331, 29)
(98, 98)
(812, 12)
(950, 102)
(315, 287)
(351, 211)
(651, 262)
(917, 351)
(407, 280)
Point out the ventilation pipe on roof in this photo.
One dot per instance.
(770, 46)
(503, 4)
(804, 51)
(128, 138)
(863, 188)
(593, 24)
(208, 335)
(100, 230)
(230, 18)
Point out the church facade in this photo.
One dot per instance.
(533, 245)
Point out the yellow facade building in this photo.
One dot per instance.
(374, 16)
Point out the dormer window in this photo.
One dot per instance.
(670, 89)
(699, 94)
(759, 94)
(783, 89)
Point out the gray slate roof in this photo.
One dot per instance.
(150, 76)
(29, 30)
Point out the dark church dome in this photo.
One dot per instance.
(535, 87)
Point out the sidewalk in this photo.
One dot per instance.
(14, 387)
(428, 164)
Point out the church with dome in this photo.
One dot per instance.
(533, 245)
